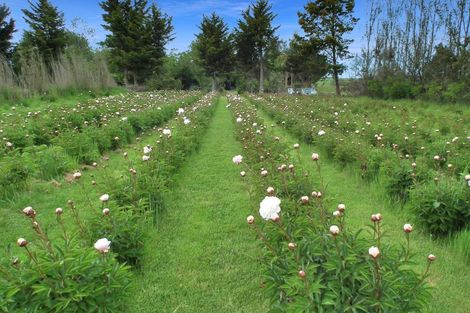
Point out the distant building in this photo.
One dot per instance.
(297, 84)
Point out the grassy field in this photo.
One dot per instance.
(197, 253)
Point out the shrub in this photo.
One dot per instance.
(65, 277)
(49, 162)
(78, 145)
(14, 173)
(398, 181)
(125, 229)
(375, 89)
(442, 207)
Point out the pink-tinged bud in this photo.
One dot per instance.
(242, 173)
(93, 182)
(431, 258)
(292, 246)
(319, 195)
(376, 217)
(291, 167)
(250, 219)
(296, 146)
(125, 154)
(29, 212)
(22, 242)
(315, 156)
(106, 211)
(270, 190)
(413, 164)
(314, 194)
(374, 252)
(437, 158)
(337, 214)
(341, 207)
(407, 228)
(59, 211)
(275, 217)
(264, 173)
(304, 199)
(77, 175)
(302, 274)
(334, 230)
(467, 177)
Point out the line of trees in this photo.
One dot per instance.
(416, 48)
(49, 58)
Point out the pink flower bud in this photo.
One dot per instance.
(296, 146)
(29, 212)
(22, 242)
(302, 274)
(341, 207)
(106, 211)
(431, 258)
(304, 199)
(315, 156)
(376, 217)
(242, 173)
(59, 211)
(250, 219)
(270, 190)
(77, 175)
(407, 228)
(291, 246)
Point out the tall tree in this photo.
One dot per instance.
(304, 62)
(137, 37)
(161, 33)
(325, 23)
(7, 28)
(214, 47)
(255, 37)
(47, 32)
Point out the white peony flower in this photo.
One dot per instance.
(145, 158)
(269, 208)
(186, 121)
(334, 230)
(237, 159)
(374, 252)
(407, 228)
(321, 133)
(147, 149)
(239, 120)
(104, 198)
(180, 111)
(167, 132)
(103, 245)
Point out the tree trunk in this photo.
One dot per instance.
(213, 83)
(335, 73)
(261, 76)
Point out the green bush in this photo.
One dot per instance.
(398, 181)
(14, 172)
(78, 145)
(62, 277)
(442, 207)
(50, 162)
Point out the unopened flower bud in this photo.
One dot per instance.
(22, 242)
(250, 219)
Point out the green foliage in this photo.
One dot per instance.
(325, 24)
(214, 47)
(65, 277)
(7, 28)
(49, 162)
(441, 207)
(47, 32)
(461, 243)
(125, 229)
(137, 38)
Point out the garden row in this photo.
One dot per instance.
(314, 261)
(68, 268)
(46, 145)
(420, 154)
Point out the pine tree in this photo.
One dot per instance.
(161, 33)
(7, 28)
(47, 32)
(255, 37)
(214, 47)
(325, 23)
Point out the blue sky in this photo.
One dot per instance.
(186, 16)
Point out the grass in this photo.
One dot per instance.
(450, 276)
(55, 99)
(203, 256)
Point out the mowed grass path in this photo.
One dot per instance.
(202, 257)
(450, 275)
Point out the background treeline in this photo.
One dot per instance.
(416, 48)
(49, 58)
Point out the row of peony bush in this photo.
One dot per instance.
(85, 144)
(76, 271)
(420, 157)
(313, 261)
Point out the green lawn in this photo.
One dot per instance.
(203, 257)
(450, 275)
